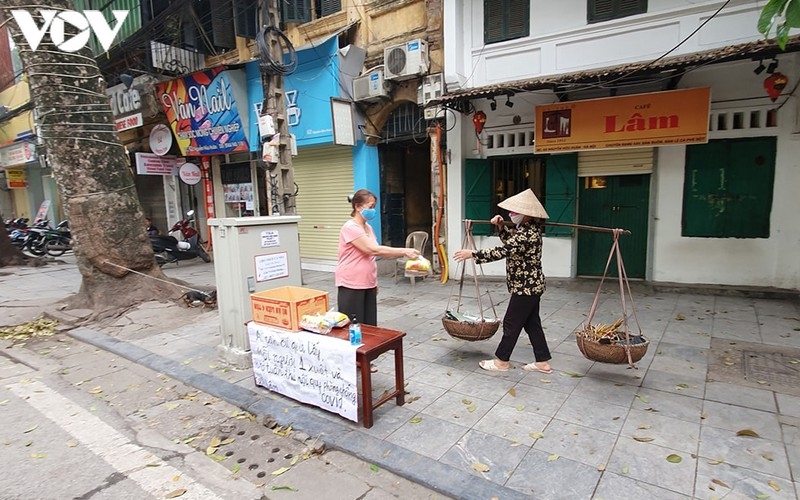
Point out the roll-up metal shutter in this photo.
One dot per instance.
(324, 177)
(615, 162)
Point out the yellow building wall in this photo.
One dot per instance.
(14, 97)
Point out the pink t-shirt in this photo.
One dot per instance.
(355, 269)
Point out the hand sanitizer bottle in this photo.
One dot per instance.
(355, 332)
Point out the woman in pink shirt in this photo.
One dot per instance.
(357, 272)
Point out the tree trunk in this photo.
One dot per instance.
(9, 254)
(91, 169)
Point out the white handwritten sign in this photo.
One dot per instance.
(307, 367)
(272, 266)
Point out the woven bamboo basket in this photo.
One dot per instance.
(470, 331)
(610, 353)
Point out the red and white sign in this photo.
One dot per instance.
(17, 154)
(15, 179)
(160, 139)
(150, 164)
(190, 173)
(129, 122)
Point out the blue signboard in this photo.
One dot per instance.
(308, 93)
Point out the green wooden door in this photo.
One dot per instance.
(620, 201)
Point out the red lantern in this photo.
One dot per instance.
(478, 119)
(774, 84)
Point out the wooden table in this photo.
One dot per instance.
(376, 341)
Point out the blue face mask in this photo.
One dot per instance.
(368, 213)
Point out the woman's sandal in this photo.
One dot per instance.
(490, 365)
(531, 367)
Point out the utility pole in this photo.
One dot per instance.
(280, 174)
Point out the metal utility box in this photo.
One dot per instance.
(251, 254)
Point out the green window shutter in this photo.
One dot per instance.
(505, 20)
(728, 188)
(561, 180)
(247, 24)
(604, 10)
(328, 7)
(296, 11)
(222, 30)
(518, 18)
(478, 194)
(493, 21)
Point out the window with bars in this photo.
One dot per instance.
(303, 11)
(505, 20)
(605, 10)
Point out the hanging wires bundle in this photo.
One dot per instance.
(269, 65)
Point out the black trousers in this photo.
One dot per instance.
(361, 304)
(523, 312)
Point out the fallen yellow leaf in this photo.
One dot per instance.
(553, 457)
(775, 486)
(748, 432)
(280, 471)
(721, 483)
(176, 493)
(513, 392)
(479, 467)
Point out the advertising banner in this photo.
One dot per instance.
(151, 164)
(18, 153)
(15, 179)
(203, 113)
(634, 121)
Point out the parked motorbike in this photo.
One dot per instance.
(57, 241)
(14, 224)
(34, 238)
(168, 249)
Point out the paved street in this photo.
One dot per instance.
(712, 412)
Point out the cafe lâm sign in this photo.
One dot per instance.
(635, 121)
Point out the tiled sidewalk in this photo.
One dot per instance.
(587, 431)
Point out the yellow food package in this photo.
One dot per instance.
(420, 264)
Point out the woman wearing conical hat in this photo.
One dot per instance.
(522, 249)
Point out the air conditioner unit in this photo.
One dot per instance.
(406, 60)
(369, 87)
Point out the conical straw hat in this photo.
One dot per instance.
(524, 203)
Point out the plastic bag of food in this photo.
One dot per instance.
(316, 323)
(337, 319)
(418, 267)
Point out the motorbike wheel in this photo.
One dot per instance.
(54, 248)
(37, 248)
(202, 253)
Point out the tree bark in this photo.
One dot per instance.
(9, 254)
(91, 169)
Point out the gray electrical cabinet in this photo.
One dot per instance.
(251, 254)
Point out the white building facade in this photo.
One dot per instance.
(722, 212)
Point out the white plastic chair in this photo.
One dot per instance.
(416, 240)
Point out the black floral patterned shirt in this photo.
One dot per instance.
(522, 249)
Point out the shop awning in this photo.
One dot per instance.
(638, 71)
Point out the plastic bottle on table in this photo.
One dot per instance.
(355, 332)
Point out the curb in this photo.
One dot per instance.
(423, 470)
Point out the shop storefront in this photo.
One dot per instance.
(210, 126)
(25, 183)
